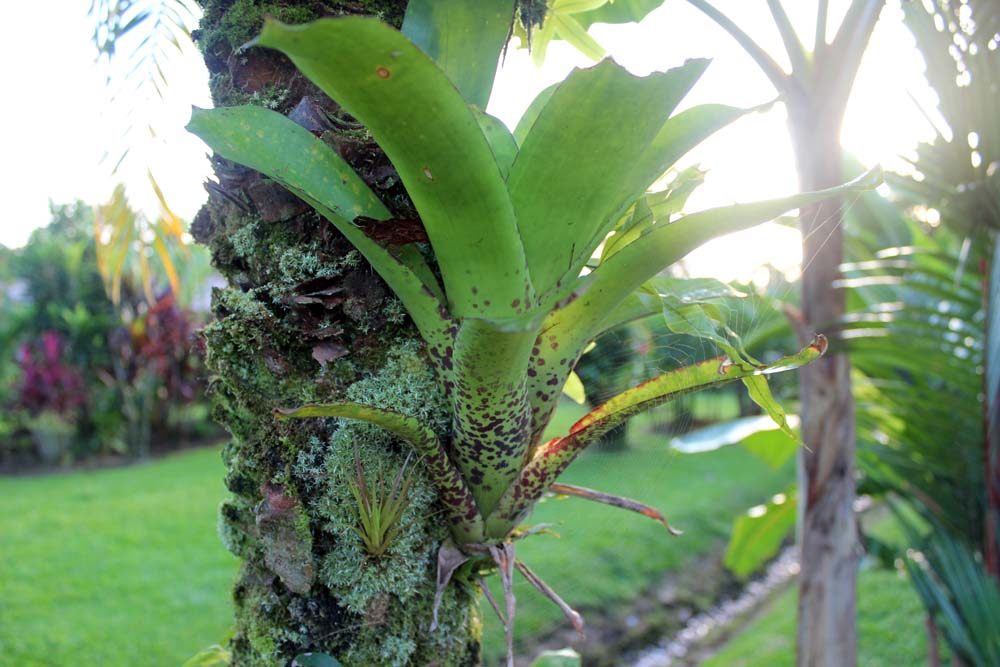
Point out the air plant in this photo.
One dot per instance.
(380, 511)
(514, 220)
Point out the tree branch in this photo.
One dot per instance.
(793, 45)
(819, 45)
(848, 47)
(771, 69)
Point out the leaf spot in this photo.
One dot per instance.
(428, 174)
(383, 72)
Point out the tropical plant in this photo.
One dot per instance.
(542, 21)
(52, 393)
(815, 93)
(513, 220)
(119, 352)
(962, 595)
(141, 41)
(925, 332)
(48, 384)
(155, 367)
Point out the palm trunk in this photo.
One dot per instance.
(305, 319)
(933, 643)
(828, 534)
(991, 412)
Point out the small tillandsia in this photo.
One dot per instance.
(514, 220)
(379, 511)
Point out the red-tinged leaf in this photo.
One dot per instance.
(615, 501)
(552, 458)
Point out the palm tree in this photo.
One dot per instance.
(815, 93)
(927, 338)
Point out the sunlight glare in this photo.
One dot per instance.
(753, 158)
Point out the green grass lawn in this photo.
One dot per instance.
(890, 628)
(114, 568)
(122, 568)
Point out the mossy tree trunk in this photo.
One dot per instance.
(305, 319)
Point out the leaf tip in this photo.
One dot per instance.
(819, 344)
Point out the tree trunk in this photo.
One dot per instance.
(933, 644)
(305, 319)
(991, 411)
(827, 529)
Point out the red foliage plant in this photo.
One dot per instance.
(48, 384)
(163, 341)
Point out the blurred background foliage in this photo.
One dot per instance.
(100, 359)
(86, 376)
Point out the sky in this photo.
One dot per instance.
(60, 121)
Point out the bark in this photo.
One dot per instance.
(991, 412)
(933, 644)
(305, 319)
(828, 535)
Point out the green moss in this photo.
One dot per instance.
(240, 22)
(270, 97)
(235, 520)
(262, 622)
(244, 19)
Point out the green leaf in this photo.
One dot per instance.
(568, 175)
(760, 393)
(490, 410)
(758, 535)
(252, 135)
(772, 446)
(290, 154)
(570, 30)
(677, 136)
(711, 373)
(464, 38)
(664, 244)
(574, 389)
(619, 11)
(213, 656)
(566, 657)
(755, 434)
(530, 114)
(445, 162)
(454, 493)
(653, 208)
(501, 141)
(315, 660)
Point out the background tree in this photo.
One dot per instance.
(925, 331)
(815, 93)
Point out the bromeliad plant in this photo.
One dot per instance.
(514, 220)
